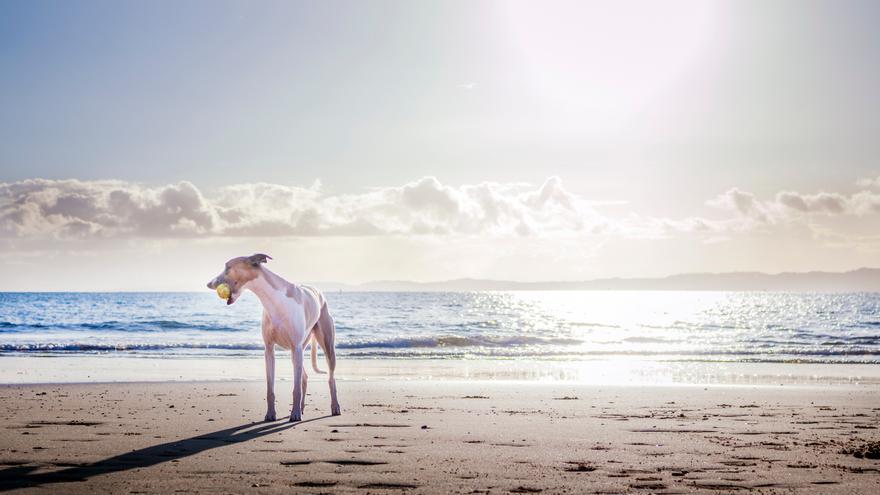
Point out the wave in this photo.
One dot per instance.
(733, 327)
(650, 340)
(440, 347)
(456, 341)
(450, 341)
(83, 347)
(118, 326)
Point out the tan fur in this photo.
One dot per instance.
(241, 271)
(236, 274)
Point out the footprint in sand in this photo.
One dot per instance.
(355, 462)
(388, 486)
(525, 489)
(579, 467)
(372, 425)
(315, 484)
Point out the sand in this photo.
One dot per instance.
(422, 436)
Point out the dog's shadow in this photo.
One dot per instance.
(24, 476)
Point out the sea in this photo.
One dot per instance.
(673, 326)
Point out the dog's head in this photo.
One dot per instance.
(237, 273)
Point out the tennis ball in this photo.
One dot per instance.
(223, 291)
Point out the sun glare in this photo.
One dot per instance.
(609, 58)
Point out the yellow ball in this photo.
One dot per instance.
(223, 291)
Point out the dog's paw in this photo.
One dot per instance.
(270, 416)
(294, 418)
(335, 411)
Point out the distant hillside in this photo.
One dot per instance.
(861, 280)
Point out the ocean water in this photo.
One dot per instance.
(546, 325)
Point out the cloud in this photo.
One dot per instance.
(107, 209)
(67, 209)
(791, 205)
(742, 202)
(869, 182)
(830, 203)
(72, 208)
(834, 219)
(864, 203)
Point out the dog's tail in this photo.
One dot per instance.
(314, 345)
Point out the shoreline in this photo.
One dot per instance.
(599, 372)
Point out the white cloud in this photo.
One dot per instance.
(833, 219)
(104, 209)
(425, 207)
(791, 205)
(742, 202)
(864, 203)
(869, 182)
(72, 208)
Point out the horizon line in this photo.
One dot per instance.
(523, 285)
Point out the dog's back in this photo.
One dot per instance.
(313, 302)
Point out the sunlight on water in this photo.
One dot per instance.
(547, 325)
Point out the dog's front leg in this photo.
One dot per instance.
(270, 382)
(296, 411)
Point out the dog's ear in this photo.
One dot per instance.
(256, 259)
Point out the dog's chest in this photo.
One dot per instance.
(284, 324)
(282, 334)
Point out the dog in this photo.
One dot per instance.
(293, 316)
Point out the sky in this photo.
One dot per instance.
(142, 144)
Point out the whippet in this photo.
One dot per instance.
(293, 315)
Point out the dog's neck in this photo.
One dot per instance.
(270, 289)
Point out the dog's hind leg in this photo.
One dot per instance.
(297, 358)
(326, 336)
(334, 401)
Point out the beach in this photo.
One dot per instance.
(534, 392)
(439, 436)
(557, 247)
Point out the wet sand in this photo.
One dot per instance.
(423, 436)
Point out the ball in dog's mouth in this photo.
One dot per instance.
(223, 291)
